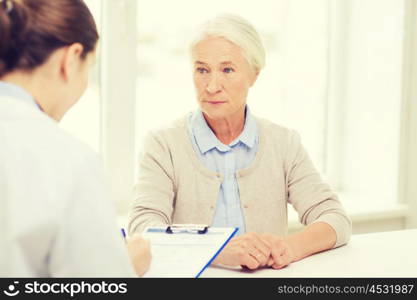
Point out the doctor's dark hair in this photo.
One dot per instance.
(30, 30)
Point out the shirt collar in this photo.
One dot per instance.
(16, 92)
(249, 133)
(207, 140)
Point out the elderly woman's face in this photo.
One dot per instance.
(222, 77)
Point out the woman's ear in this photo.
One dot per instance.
(253, 79)
(71, 60)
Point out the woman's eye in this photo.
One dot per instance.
(202, 70)
(228, 70)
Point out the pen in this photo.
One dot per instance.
(123, 233)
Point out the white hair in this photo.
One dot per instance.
(238, 31)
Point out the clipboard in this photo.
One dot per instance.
(185, 250)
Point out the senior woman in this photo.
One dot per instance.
(222, 166)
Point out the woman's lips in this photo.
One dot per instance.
(215, 102)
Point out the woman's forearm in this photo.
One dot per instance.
(314, 238)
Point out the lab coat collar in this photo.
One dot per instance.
(14, 91)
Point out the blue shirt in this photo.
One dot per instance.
(14, 91)
(225, 160)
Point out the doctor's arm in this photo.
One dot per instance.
(89, 242)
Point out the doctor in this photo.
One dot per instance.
(56, 217)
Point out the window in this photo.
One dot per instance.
(84, 119)
(293, 78)
(333, 73)
(364, 102)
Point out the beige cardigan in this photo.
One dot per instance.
(175, 187)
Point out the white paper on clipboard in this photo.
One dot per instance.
(184, 253)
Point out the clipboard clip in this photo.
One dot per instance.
(187, 228)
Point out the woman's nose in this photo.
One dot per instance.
(214, 85)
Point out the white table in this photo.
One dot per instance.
(383, 254)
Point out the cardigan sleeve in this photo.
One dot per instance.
(153, 194)
(311, 197)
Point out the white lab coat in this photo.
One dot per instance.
(56, 216)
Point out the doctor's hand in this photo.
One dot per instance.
(282, 253)
(140, 253)
(248, 250)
